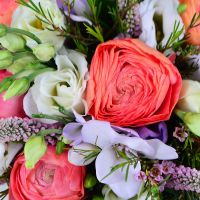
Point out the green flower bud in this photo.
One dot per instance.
(44, 52)
(181, 8)
(5, 84)
(34, 149)
(13, 42)
(18, 87)
(3, 30)
(192, 120)
(20, 64)
(90, 181)
(6, 59)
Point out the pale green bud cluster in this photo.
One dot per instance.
(20, 60)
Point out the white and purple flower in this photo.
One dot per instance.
(99, 137)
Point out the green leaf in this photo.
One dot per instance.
(95, 32)
(60, 147)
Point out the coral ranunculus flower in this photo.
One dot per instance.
(53, 178)
(7, 7)
(192, 7)
(131, 84)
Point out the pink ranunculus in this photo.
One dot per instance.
(12, 107)
(7, 7)
(53, 178)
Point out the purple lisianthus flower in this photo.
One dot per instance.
(158, 131)
(78, 12)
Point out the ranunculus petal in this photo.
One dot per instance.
(127, 92)
(98, 133)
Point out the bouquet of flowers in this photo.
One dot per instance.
(99, 99)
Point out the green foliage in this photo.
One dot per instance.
(60, 147)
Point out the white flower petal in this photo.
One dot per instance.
(77, 157)
(26, 19)
(137, 144)
(79, 60)
(116, 180)
(64, 87)
(162, 151)
(148, 9)
(13, 149)
(98, 133)
(126, 189)
(104, 163)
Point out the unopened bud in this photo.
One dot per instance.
(5, 84)
(18, 87)
(44, 52)
(6, 59)
(90, 181)
(13, 42)
(20, 64)
(34, 149)
(181, 8)
(191, 120)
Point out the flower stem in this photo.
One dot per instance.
(49, 131)
(23, 32)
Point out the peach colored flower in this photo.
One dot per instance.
(7, 7)
(12, 107)
(53, 178)
(192, 7)
(131, 84)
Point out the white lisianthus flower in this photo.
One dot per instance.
(25, 18)
(64, 87)
(7, 153)
(189, 100)
(167, 10)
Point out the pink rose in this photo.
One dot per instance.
(53, 178)
(12, 107)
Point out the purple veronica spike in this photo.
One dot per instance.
(15, 129)
(158, 131)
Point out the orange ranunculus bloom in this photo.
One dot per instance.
(7, 7)
(131, 84)
(193, 6)
(53, 177)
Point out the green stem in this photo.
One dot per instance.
(44, 116)
(49, 131)
(23, 32)
(19, 55)
(36, 73)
